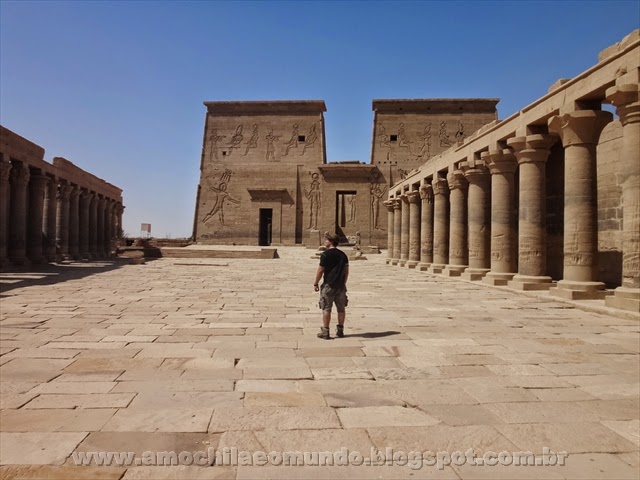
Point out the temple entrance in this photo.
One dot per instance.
(346, 203)
(266, 219)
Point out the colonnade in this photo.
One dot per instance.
(46, 218)
(463, 222)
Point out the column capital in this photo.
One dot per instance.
(474, 170)
(5, 168)
(426, 193)
(101, 201)
(110, 205)
(532, 148)
(440, 186)
(20, 176)
(387, 203)
(457, 181)
(580, 127)
(397, 204)
(64, 191)
(75, 191)
(500, 161)
(119, 208)
(38, 181)
(413, 196)
(626, 99)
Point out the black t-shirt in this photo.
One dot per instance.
(334, 262)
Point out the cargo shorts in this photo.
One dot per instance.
(329, 296)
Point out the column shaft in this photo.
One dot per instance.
(18, 214)
(85, 202)
(440, 225)
(100, 227)
(397, 230)
(93, 226)
(50, 207)
(478, 204)
(458, 253)
(62, 219)
(37, 186)
(389, 206)
(414, 229)
(74, 223)
(5, 194)
(404, 232)
(426, 228)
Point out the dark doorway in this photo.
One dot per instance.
(266, 220)
(345, 214)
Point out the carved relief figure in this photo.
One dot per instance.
(352, 208)
(311, 138)
(402, 138)
(425, 148)
(403, 173)
(384, 139)
(253, 141)
(236, 139)
(293, 141)
(376, 195)
(443, 135)
(271, 149)
(214, 138)
(313, 195)
(460, 135)
(221, 195)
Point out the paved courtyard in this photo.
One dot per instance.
(186, 355)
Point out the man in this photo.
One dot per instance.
(334, 265)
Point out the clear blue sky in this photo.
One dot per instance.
(117, 87)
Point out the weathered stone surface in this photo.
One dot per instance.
(51, 420)
(37, 448)
(158, 420)
(50, 472)
(282, 418)
(365, 417)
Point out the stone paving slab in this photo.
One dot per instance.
(160, 357)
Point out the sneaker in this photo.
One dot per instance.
(340, 331)
(324, 333)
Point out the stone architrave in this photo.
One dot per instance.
(440, 225)
(397, 230)
(49, 222)
(5, 170)
(532, 152)
(100, 212)
(458, 248)
(389, 206)
(18, 215)
(414, 229)
(426, 228)
(62, 219)
(579, 132)
(37, 186)
(83, 218)
(626, 98)
(404, 231)
(478, 208)
(502, 165)
(93, 226)
(74, 223)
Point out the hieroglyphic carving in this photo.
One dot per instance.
(221, 195)
(214, 138)
(253, 141)
(573, 256)
(403, 173)
(443, 135)
(293, 141)
(313, 195)
(376, 196)
(384, 139)
(352, 208)
(425, 149)
(236, 139)
(460, 135)
(271, 149)
(311, 138)
(402, 138)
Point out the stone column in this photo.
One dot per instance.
(18, 215)
(62, 219)
(414, 229)
(85, 204)
(389, 205)
(440, 225)
(108, 214)
(119, 212)
(532, 153)
(49, 222)
(627, 100)
(37, 185)
(93, 225)
(579, 132)
(114, 221)
(100, 227)
(458, 253)
(5, 194)
(426, 228)
(478, 205)
(74, 223)
(404, 232)
(397, 230)
(502, 165)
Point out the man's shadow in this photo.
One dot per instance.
(374, 334)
